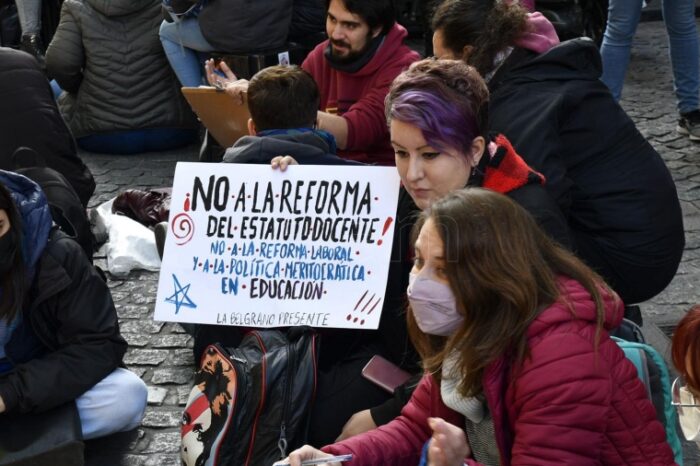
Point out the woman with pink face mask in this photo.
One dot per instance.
(519, 366)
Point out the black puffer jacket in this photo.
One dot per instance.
(107, 55)
(29, 118)
(246, 26)
(615, 190)
(68, 338)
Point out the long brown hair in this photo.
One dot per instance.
(502, 269)
(685, 348)
(489, 26)
(13, 285)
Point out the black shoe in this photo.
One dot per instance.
(31, 43)
(689, 124)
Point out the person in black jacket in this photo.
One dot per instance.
(59, 336)
(30, 119)
(620, 202)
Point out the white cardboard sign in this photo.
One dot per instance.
(251, 246)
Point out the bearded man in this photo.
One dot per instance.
(364, 52)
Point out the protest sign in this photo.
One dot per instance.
(256, 247)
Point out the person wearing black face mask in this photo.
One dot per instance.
(59, 336)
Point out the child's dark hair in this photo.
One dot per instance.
(281, 97)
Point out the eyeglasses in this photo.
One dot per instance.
(682, 396)
(688, 407)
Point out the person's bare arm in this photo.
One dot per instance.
(336, 125)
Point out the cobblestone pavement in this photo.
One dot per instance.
(161, 354)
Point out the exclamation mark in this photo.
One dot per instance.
(387, 224)
(187, 203)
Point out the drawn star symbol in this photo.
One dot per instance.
(180, 298)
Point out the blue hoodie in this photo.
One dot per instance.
(36, 224)
(35, 212)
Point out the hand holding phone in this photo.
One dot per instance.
(384, 373)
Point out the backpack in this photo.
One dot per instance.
(66, 209)
(653, 373)
(251, 405)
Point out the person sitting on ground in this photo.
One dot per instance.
(617, 194)
(424, 104)
(30, 119)
(519, 365)
(685, 349)
(59, 336)
(120, 94)
(353, 69)
(29, 12)
(226, 26)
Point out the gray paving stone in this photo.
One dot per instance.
(164, 442)
(148, 357)
(156, 395)
(147, 326)
(163, 460)
(173, 341)
(179, 376)
(132, 311)
(183, 394)
(162, 418)
(137, 340)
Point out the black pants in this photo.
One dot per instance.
(341, 392)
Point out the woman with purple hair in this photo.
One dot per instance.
(437, 112)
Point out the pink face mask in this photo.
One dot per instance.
(434, 305)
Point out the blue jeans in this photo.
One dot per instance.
(138, 140)
(114, 404)
(679, 17)
(181, 42)
(29, 12)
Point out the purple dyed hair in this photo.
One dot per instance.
(443, 125)
(446, 99)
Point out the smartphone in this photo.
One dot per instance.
(384, 373)
(332, 459)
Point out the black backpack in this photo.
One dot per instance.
(251, 405)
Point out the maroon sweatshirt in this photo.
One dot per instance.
(359, 97)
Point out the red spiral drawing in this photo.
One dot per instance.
(182, 227)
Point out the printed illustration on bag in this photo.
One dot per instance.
(209, 410)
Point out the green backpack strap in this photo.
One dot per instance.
(641, 356)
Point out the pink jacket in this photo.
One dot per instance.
(359, 97)
(569, 403)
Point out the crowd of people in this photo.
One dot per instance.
(560, 213)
